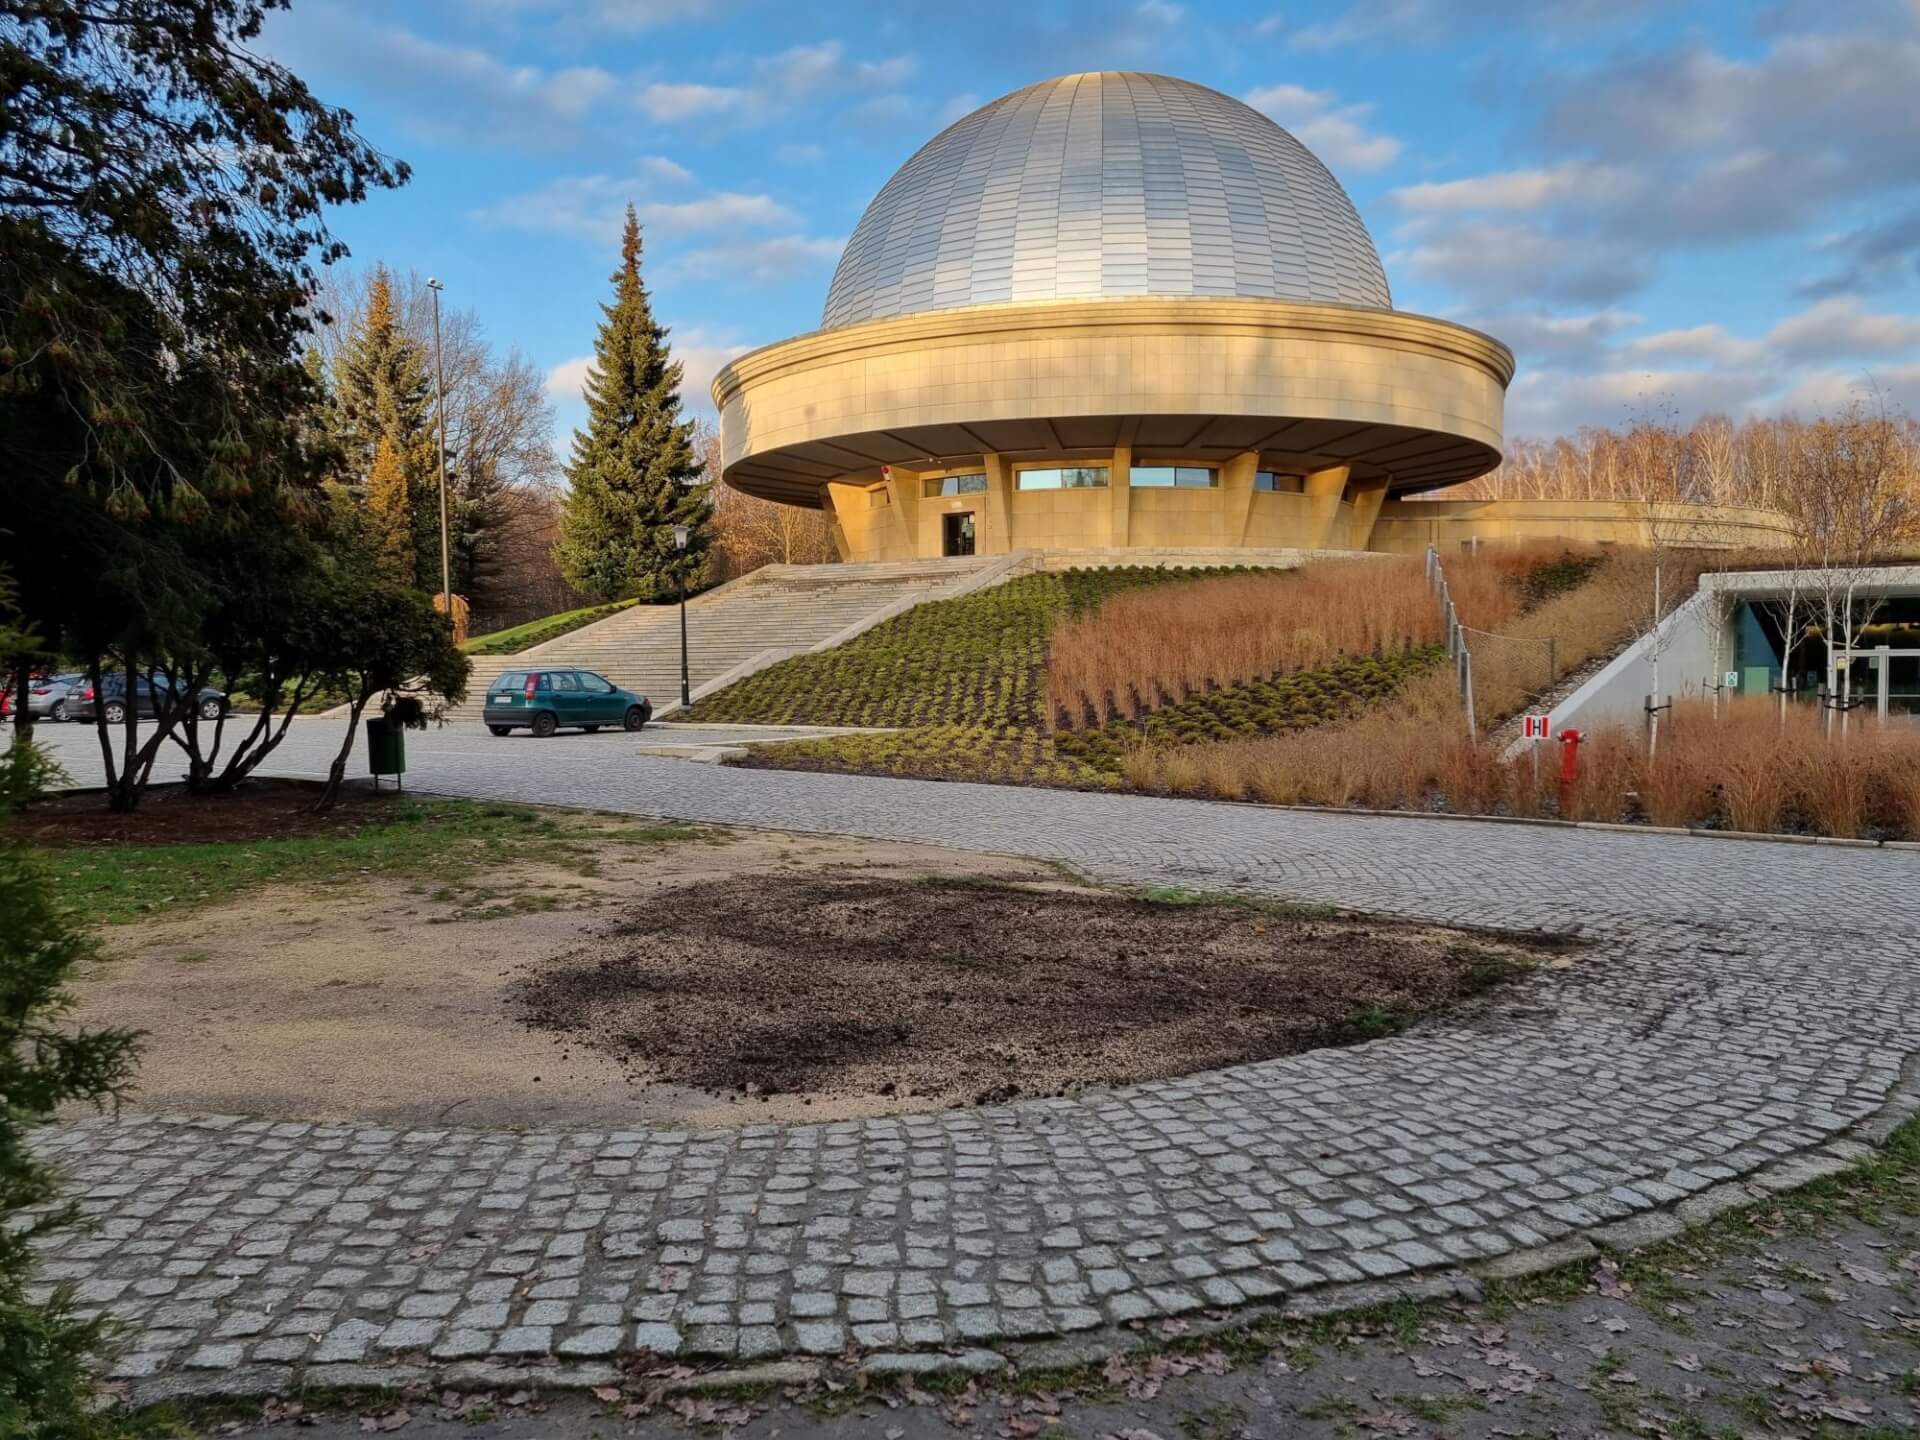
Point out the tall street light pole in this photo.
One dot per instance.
(682, 534)
(440, 380)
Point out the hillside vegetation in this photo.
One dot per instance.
(1154, 678)
(965, 679)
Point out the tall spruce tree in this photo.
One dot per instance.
(383, 396)
(389, 509)
(634, 474)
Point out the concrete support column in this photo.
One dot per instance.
(1236, 494)
(1120, 497)
(904, 487)
(995, 536)
(1323, 490)
(1368, 496)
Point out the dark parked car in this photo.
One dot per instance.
(150, 696)
(48, 696)
(544, 700)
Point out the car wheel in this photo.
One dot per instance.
(636, 717)
(116, 713)
(544, 724)
(210, 709)
(59, 711)
(501, 729)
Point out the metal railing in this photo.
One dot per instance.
(1457, 650)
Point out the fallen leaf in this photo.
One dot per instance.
(1866, 1276)
(606, 1394)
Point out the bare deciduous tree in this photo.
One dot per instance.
(749, 532)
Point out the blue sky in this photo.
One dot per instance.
(1711, 206)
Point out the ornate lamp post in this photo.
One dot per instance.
(681, 535)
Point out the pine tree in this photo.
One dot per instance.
(383, 394)
(634, 474)
(390, 515)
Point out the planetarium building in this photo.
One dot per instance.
(1114, 311)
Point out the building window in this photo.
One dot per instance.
(1274, 480)
(1195, 477)
(1066, 477)
(954, 485)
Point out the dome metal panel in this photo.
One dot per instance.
(1110, 183)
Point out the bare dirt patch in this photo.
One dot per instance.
(386, 1000)
(957, 991)
(169, 814)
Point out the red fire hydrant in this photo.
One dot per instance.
(1569, 769)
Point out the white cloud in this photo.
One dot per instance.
(1710, 344)
(1844, 326)
(1161, 12)
(1826, 391)
(566, 382)
(1507, 189)
(1334, 132)
(645, 14)
(668, 103)
(812, 69)
(1363, 21)
(592, 207)
(1547, 403)
(711, 212)
(450, 93)
(701, 352)
(1496, 263)
(958, 107)
(780, 257)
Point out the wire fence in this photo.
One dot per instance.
(1457, 648)
(1506, 654)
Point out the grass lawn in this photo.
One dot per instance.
(456, 844)
(537, 632)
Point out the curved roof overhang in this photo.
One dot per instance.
(1418, 400)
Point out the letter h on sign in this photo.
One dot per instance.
(1537, 727)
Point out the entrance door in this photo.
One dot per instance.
(958, 534)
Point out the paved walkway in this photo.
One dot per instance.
(1742, 1003)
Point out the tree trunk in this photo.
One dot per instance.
(337, 771)
(22, 688)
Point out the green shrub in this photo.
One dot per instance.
(45, 1351)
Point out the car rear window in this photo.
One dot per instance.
(512, 680)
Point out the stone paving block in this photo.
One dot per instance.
(1497, 1149)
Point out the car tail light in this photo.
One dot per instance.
(532, 681)
(87, 694)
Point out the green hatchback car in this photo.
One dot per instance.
(544, 700)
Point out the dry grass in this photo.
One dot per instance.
(1743, 769)
(1139, 652)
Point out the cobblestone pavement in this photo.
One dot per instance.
(1742, 1004)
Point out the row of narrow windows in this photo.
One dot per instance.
(1093, 477)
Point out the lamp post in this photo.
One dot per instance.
(682, 534)
(440, 408)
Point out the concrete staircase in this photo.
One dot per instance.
(746, 625)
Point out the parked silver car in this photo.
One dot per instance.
(48, 697)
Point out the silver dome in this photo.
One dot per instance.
(1104, 184)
